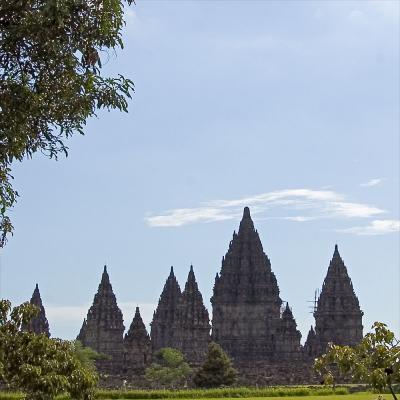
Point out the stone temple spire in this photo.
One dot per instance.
(38, 324)
(246, 302)
(338, 317)
(103, 328)
(192, 330)
(137, 346)
(164, 318)
(288, 339)
(311, 346)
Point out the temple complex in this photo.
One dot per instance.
(249, 319)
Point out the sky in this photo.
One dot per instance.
(288, 107)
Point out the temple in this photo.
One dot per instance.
(38, 324)
(103, 328)
(249, 319)
(137, 347)
(338, 317)
(192, 333)
(164, 318)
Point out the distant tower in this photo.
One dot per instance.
(247, 319)
(338, 317)
(103, 328)
(311, 347)
(288, 338)
(164, 318)
(192, 333)
(137, 346)
(38, 324)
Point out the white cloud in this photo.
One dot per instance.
(358, 17)
(376, 227)
(300, 218)
(371, 182)
(182, 216)
(353, 210)
(313, 203)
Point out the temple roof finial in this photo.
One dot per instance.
(246, 212)
(191, 280)
(336, 252)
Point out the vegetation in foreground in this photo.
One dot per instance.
(217, 369)
(241, 392)
(39, 366)
(375, 361)
(248, 393)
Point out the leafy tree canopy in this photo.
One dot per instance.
(40, 366)
(217, 370)
(375, 361)
(50, 78)
(169, 369)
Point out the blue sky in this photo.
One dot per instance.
(291, 108)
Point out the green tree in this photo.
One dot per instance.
(50, 78)
(39, 366)
(374, 361)
(169, 369)
(217, 369)
(86, 355)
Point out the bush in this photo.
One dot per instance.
(217, 370)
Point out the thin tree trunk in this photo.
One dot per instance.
(391, 391)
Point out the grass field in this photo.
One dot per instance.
(357, 396)
(122, 396)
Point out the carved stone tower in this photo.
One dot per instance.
(338, 317)
(103, 328)
(164, 318)
(310, 348)
(192, 331)
(137, 346)
(39, 324)
(247, 319)
(288, 338)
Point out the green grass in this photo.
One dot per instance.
(241, 392)
(299, 393)
(357, 396)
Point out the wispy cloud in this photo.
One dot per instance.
(371, 182)
(376, 227)
(312, 203)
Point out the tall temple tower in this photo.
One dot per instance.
(164, 318)
(247, 319)
(103, 328)
(38, 324)
(137, 346)
(192, 332)
(338, 317)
